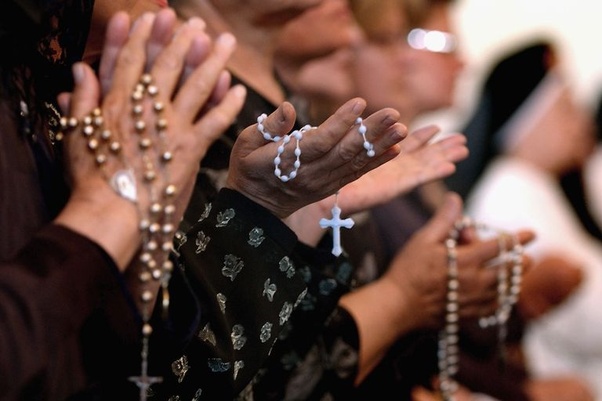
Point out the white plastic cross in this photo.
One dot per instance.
(336, 223)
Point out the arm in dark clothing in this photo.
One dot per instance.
(236, 258)
(46, 294)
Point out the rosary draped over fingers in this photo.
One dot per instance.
(333, 155)
(478, 279)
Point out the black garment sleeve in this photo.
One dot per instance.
(236, 258)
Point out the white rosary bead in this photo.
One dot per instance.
(362, 130)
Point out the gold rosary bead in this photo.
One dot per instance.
(150, 175)
(144, 276)
(167, 156)
(147, 296)
(158, 107)
(157, 273)
(88, 130)
(161, 124)
(93, 144)
(147, 329)
(170, 190)
(101, 159)
(137, 109)
(152, 90)
(146, 79)
(115, 147)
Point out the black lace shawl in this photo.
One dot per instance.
(41, 39)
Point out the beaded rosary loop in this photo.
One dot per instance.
(298, 136)
(335, 223)
(508, 289)
(156, 223)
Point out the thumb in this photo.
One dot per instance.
(278, 123)
(440, 225)
(281, 121)
(85, 93)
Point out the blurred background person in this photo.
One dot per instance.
(537, 139)
(379, 62)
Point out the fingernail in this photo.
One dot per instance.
(196, 22)
(358, 107)
(226, 39)
(146, 17)
(78, 72)
(240, 90)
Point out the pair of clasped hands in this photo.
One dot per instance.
(188, 68)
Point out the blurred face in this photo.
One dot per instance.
(270, 6)
(378, 68)
(267, 13)
(328, 77)
(557, 136)
(414, 80)
(319, 31)
(430, 77)
(317, 45)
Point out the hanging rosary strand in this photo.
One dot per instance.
(508, 289)
(157, 223)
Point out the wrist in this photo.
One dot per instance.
(107, 219)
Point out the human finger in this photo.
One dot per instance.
(131, 58)
(452, 147)
(206, 130)
(116, 35)
(64, 102)
(199, 86)
(254, 153)
(278, 123)
(419, 138)
(389, 141)
(198, 52)
(330, 133)
(161, 35)
(222, 86)
(349, 158)
(76, 105)
(359, 151)
(383, 135)
(477, 290)
(376, 126)
(171, 58)
(437, 229)
(85, 95)
(438, 158)
(220, 116)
